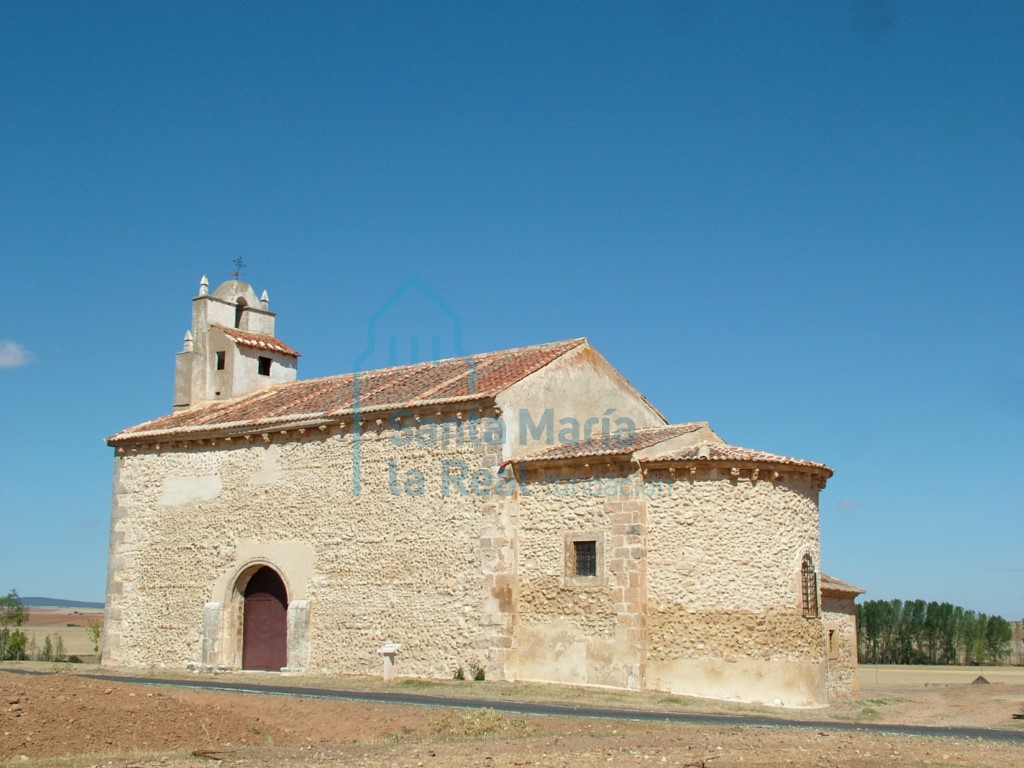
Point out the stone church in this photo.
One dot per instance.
(527, 513)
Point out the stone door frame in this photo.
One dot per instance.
(221, 646)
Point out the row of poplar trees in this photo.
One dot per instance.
(916, 632)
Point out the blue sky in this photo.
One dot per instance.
(800, 222)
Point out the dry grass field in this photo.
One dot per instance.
(71, 721)
(894, 675)
(70, 624)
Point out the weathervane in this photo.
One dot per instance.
(239, 267)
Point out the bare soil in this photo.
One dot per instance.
(74, 721)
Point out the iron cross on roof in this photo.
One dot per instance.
(239, 268)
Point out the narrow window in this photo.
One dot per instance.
(264, 369)
(585, 556)
(809, 588)
(239, 311)
(220, 361)
(833, 645)
(584, 559)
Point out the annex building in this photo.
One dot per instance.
(525, 512)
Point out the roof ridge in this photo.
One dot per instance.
(413, 385)
(575, 342)
(736, 453)
(767, 453)
(601, 444)
(482, 359)
(278, 386)
(676, 424)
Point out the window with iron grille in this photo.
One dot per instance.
(809, 587)
(585, 558)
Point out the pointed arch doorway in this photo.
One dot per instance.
(265, 622)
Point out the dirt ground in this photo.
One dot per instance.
(64, 719)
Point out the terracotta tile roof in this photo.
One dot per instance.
(257, 341)
(470, 378)
(837, 587)
(720, 452)
(650, 436)
(614, 445)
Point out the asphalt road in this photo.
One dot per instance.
(564, 710)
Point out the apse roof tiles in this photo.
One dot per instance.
(614, 444)
(727, 453)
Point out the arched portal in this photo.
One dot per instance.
(265, 622)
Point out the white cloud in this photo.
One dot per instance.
(13, 355)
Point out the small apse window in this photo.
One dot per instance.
(809, 588)
(264, 369)
(220, 361)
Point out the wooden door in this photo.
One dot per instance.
(265, 622)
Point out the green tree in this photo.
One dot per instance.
(915, 632)
(12, 615)
(867, 632)
(891, 613)
(954, 621)
(931, 632)
(16, 646)
(999, 635)
(967, 631)
(94, 631)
